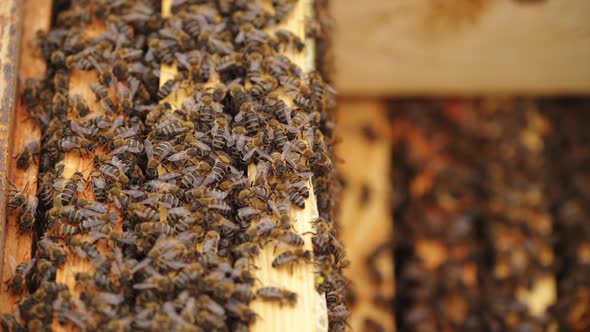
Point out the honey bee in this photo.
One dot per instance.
(24, 158)
(240, 310)
(70, 143)
(291, 257)
(218, 170)
(287, 40)
(84, 248)
(155, 228)
(261, 229)
(220, 133)
(99, 186)
(167, 88)
(10, 323)
(79, 105)
(246, 249)
(27, 218)
(171, 129)
(69, 187)
(16, 283)
(276, 294)
(99, 90)
(142, 212)
(238, 94)
(52, 251)
(113, 172)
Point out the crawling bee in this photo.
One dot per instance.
(167, 88)
(68, 188)
(99, 90)
(52, 251)
(99, 186)
(24, 158)
(279, 295)
(291, 257)
(16, 283)
(70, 143)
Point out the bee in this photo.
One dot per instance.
(246, 249)
(287, 40)
(228, 62)
(125, 145)
(113, 172)
(52, 251)
(291, 257)
(27, 218)
(59, 104)
(280, 135)
(220, 133)
(42, 271)
(70, 143)
(219, 92)
(99, 90)
(99, 186)
(69, 187)
(278, 162)
(240, 310)
(207, 109)
(79, 105)
(261, 229)
(218, 170)
(279, 295)
(17, 198)
(282, 8)
(167, 88)
(238, 94)
(45, 188)
(63, 230)
(84, 248)
(16, 283)
(61, 81)
(154, 228)
(10, 324)
(287, 237)
(170, 130)
(188, 274)
(282, 211)
(142, 212)
(210, 245)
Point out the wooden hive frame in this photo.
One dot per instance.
(16, 245)
(311, 306)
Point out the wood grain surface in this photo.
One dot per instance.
(461, 47)
(365, 210)
(17, 243)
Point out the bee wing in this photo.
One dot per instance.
(141, 265)
(67, 145)
(120, 150)
(81, 131)
(133, 193)
(182, 155)
(11, 263)
(200, 145)
(122, 90)
(149, 201)
(149, 149)
(182, 59)
(58, 184)
(130, 132)
(32, 204)
(81, 186)
(217, 194)
(169, 176)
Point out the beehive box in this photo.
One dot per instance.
(77, 259)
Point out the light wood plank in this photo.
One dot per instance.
(461, 47)
(18, 244)
(366, 225)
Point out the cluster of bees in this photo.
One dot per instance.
(473, 226)
(569, 190)
(167, 212)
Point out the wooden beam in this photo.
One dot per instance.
(365, 208)
(461, 47)
(17, 243)
(309, 313)
(75, 161)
